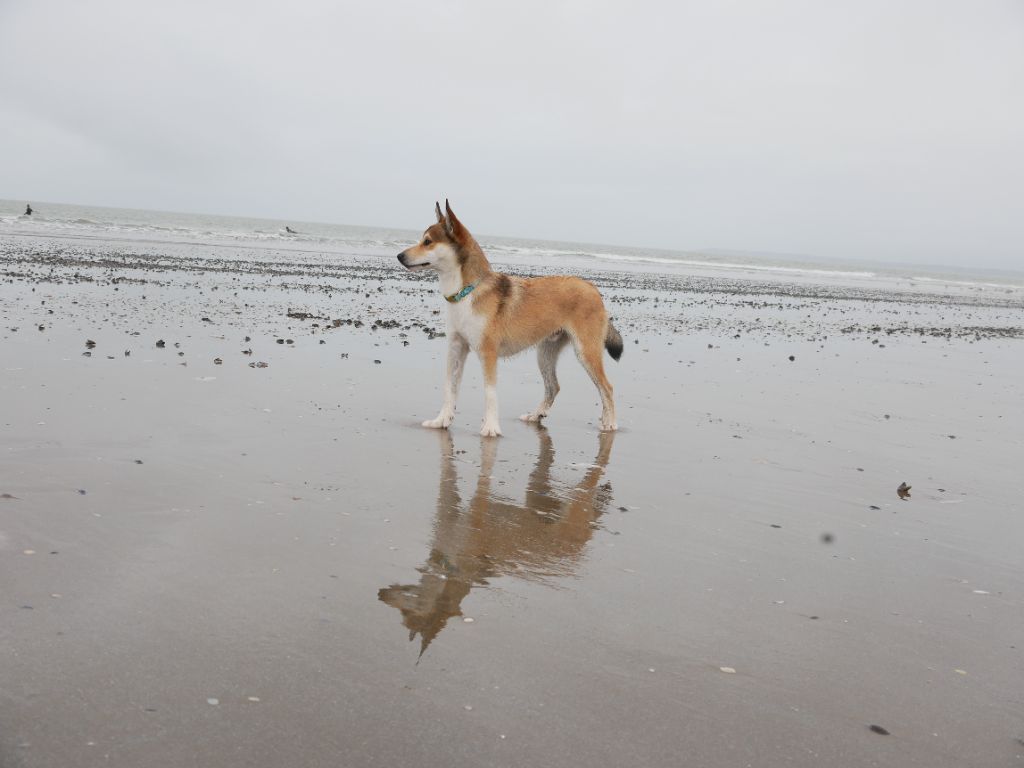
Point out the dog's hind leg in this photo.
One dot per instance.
(457, 351)
(547, 358)
(589, 350)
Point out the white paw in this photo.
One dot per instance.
(443, 421)
(490, 429)
(535, 416)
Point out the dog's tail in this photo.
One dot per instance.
(613, 342)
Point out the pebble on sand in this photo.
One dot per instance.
(728, 670)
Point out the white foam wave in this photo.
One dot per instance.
(732, 266)
(540, 255)
(962, 283)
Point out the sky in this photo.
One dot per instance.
(869, 129)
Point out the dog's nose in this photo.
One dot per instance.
(401, 258)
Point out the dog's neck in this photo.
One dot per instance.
(471, 269)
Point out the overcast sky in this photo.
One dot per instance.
(886, 130)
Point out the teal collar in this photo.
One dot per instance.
(460, 295)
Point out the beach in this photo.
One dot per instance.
(225, 539)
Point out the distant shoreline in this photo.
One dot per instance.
(123, 225)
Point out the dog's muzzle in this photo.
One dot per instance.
(404, 261)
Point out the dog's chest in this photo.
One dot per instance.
(463, 321)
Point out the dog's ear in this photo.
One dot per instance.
(452, 224)
(443, 220)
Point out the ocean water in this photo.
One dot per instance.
(119, 227)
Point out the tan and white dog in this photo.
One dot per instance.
(497, 315)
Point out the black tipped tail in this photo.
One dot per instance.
(613, 342)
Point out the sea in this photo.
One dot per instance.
(306, 241)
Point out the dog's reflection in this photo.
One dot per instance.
(491, 536)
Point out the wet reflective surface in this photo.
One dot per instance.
(283, 579)
(490, 534)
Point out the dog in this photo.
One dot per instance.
(498, 315)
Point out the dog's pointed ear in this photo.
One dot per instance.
(452, 224)
(443, 220)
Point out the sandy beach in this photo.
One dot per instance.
(225, 539)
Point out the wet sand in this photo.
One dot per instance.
(223, 564)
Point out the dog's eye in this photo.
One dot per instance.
(426, 241)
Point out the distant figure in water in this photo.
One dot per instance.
(28, 210)
(289, 230)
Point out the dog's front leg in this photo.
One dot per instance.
(457, 351)
(489, 361)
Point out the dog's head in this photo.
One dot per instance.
(438, 248)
